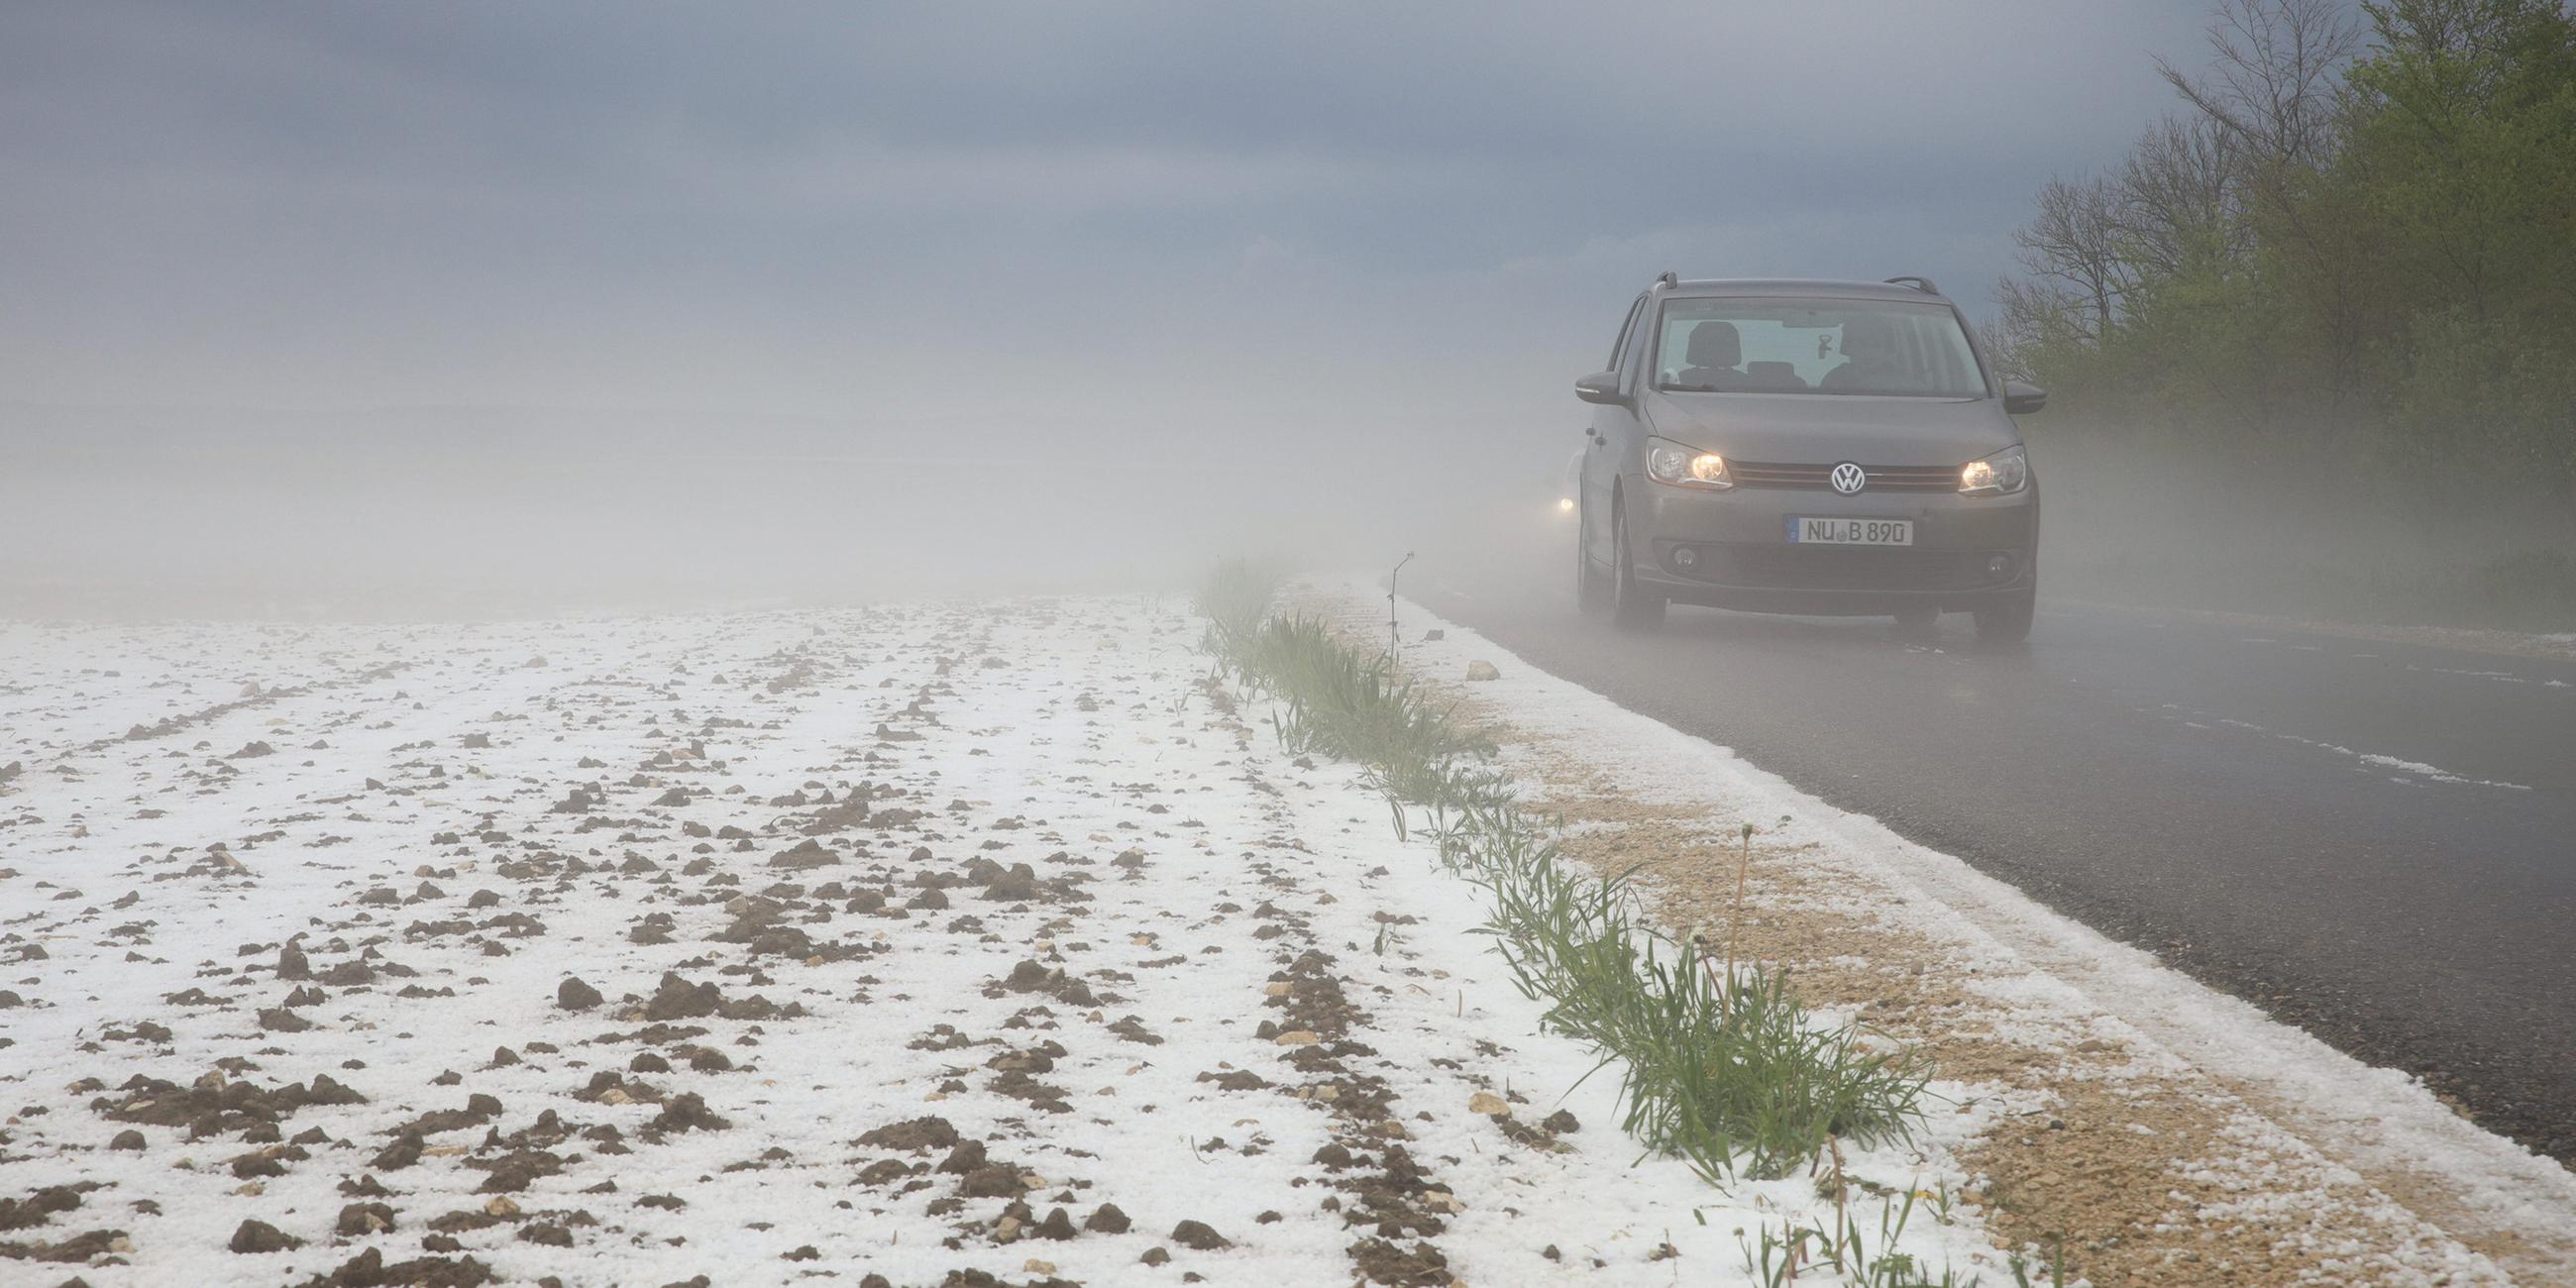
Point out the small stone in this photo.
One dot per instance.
(1107, 1219)
(574, 995)
(1489, 1104)
(1482, 670)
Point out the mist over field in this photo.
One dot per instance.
(445, 513)
(306, 309)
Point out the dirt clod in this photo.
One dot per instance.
(1197, 1236)
(913, 1134)
(255, 1236)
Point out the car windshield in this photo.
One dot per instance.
(1782, 346)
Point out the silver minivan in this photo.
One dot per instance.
(1805, 446)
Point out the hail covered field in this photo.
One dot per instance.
(958, 943)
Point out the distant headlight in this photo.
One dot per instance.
(1671, 463)
(2005, 471)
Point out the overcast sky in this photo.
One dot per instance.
(1075, 214)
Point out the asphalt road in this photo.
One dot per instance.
(2375, 841)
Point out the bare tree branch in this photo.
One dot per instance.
(2273, 76)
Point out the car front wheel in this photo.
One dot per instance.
(1591, 588)
(1632, 606)
(2008, 622)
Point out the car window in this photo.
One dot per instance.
(1824, 346)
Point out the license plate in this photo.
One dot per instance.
(1852, 532)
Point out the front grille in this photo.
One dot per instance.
(1882, 478)
(1795, 567)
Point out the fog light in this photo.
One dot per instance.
(1999, 567)
(1565, 505)
(1685, 558)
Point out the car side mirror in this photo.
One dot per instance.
(2022, 399)
(1600, 387)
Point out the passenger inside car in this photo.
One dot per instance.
(1870, 358)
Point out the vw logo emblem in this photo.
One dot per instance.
(1848, 479)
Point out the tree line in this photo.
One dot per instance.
(2351, 249)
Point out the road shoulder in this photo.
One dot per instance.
(2169, 1132)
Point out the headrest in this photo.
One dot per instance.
(1715, 344)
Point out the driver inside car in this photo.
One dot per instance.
(1714, 350)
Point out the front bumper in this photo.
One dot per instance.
(1968, 552)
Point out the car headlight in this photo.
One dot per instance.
(1678, 466)
(2005, 471)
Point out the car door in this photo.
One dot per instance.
(1608, 440)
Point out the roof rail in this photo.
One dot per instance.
(1670, 278)
(1923, 284)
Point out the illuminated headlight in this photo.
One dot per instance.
(2005, 471)
(1671, 463)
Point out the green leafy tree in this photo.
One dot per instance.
(2352, 254)
(2364, 245)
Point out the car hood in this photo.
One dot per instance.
(1823, 428)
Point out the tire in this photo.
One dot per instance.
(2008, 622)
(1632, 606)
(1591, 585)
